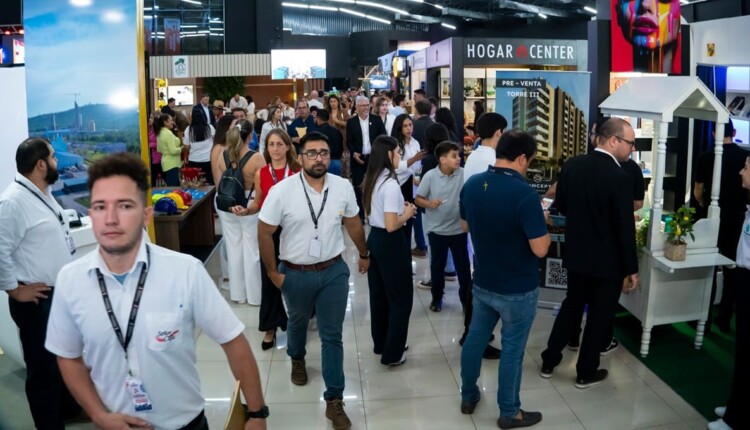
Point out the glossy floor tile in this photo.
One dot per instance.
(424, 393)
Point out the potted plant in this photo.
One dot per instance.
(678, 227)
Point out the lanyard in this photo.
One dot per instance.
(57, 214)
(315, 219)
(124, 342)
(273, 173)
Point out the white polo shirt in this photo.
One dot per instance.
(386, 197)
(482, 158)
(33, 241)
(286, 206)
(179, 297)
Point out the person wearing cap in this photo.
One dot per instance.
(32, 232)
(124, 323)
(218, 109)
(310, 207)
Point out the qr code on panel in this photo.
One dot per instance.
(555, 276)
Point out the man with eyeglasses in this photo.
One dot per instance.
(35, 243)
(361, 131)
(596, 196)
(303, 124)
(309, 207)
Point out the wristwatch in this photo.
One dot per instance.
(366, 256)
(263, 413)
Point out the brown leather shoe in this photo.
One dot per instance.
(416, 252)
(335, 412)
(299, 373)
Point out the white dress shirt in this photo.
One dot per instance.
(286, 206)
(364, 125)
(389, 120)
(34, 244)
(743, 246)
(242, 103)
(208, 115)
(404, 171)
(179, 298)
(479, 161)
(316, 103)
(386, 197)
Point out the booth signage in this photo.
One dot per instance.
(418, 60)
(180, 67)
(439, 54)
(521, 51)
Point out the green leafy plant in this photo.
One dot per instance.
(224, 88)
(641, 236)
(681, 225)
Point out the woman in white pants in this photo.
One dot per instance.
(241, 233)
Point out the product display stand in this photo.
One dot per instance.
(673, 291)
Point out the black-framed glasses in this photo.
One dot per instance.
(631, 143)
(312, 155)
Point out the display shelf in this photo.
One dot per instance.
(693, 261)
(475, 98)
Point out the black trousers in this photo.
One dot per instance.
(407, 191)
(575, 335)
(206, 168)
(601, 295)
(391, 292)
(49, 399)
(735, 416)
(458, 246)
(358, 175)
(272, 313)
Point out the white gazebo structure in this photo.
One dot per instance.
(673, 291)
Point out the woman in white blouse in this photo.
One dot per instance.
(275, 114)
(381, 109)
(410, 157)
(199, 137)
(389, 276)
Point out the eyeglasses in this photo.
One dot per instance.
(629, 142)
(312, 155)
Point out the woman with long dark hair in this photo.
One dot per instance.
(338, 117)
(170, 148)
(275, 116)
(281, 162)
(410, 156)
(444, 116)
(155, 155)
(199, 138)
(389, 275)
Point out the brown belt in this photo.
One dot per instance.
(317, 267)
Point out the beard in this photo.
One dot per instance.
(52, 175)
(317, 171)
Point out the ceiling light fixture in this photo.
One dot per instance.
(589, 9)
(352, 12)
(684, 2)
(328, 8)
(297, 5)
(452, 27)
(541, 15)
(382, 6)
(193, 2)
(375, 18)
(344, 1)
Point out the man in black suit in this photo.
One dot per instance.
(361, 131)
(423, 121)
(207, 111)
(596, 196)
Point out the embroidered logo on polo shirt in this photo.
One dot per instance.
(166, 336)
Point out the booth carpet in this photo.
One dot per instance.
(701, 377)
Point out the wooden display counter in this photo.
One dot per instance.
(191, 227)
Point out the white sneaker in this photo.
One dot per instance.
(720, 411)
(718, 425)
(224, 284)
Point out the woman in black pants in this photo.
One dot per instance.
(410, 154)
(389, 276)
(733, 416)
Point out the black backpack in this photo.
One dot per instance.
(231, 188)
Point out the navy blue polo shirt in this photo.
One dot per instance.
(503, 213)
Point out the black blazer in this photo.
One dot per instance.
(354, 132)
(596, 197)
(421, 125)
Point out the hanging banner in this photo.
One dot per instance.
(180, 67)
(646, 36)
(553, 107)
(83, 90)
(172, 36)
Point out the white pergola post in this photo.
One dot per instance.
(713, 209)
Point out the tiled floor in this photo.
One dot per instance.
(423, 393)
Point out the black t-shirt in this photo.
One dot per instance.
(335, 140)
(634, 170)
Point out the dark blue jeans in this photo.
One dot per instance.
(326, 292)
(418, 232)
(172, 177)
(439, 247)
(517, 312)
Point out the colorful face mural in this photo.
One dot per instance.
(651, 28)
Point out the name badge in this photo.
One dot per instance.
(141, 401)
(315, 249)
(70, 242)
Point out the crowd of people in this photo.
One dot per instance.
(340, 162)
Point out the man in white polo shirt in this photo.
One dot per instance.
(310, 207)
(124, 319)
(35, 243)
